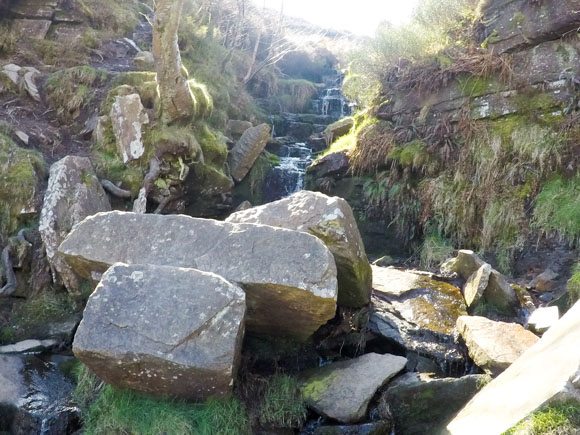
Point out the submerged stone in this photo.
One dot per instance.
(332, 221)
(165, 331)
(548, 371)
(289, 276)
(343, 390)
(494, 346)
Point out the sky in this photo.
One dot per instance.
(357, 16)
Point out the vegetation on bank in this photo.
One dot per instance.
(272, 402)
(452, 180)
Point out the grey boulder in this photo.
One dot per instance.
(166, 331)
(332, 221)
(343, 390)
(289, 277)
(494, 346)
(421, 404)
(128, 117)
(73, 193)
(244, 154)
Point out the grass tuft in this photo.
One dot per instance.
(108, 410)
(557, 419)
(282, 404)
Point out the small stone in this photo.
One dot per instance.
(543, 319)
(12, 71)
(545, 282)
(343, 390)
(22, 136)
(476, 285)
(29, 346)
(30, 85)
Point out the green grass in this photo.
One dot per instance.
(48, 307)
(434, 250)
(282, 404)
(558, 419)
(70, 90)
(573, 285)
(557, 209)
(108, 410)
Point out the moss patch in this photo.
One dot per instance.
(21, 171)
(559, 418)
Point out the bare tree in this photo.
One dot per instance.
(177, 101)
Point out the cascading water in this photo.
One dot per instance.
(288, 177)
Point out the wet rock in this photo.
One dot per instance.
(236, 128)
(29, 346)
(421, 404)
(498, 292)
(548, 371)
(338, 129)
(35, 398)
(73, 193)
(375, 428)
(317, 143)
(301, 131)
(331, 165)
(494, 346)
(518, 24)
(332, 221)
(244, 154)
(128, 117)
(476, 285)
(545, 282)
(418, 313)
(144, 61)
(343, 390)
(543, 319)
(289, 276)
(33, 29)
(166, 331)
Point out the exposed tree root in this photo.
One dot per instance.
(116, 191)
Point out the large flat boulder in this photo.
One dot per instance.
(343, 390)
(494, 346)
(244, 154)
(418, 313)
(421, 404)
(332, 221)
(73, 193)
(166, 331)
(548, 371)
(289, 276)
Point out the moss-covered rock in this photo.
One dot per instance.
(21, 172)
(252, 187)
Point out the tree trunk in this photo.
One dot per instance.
(177, 102)
(250, 74)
